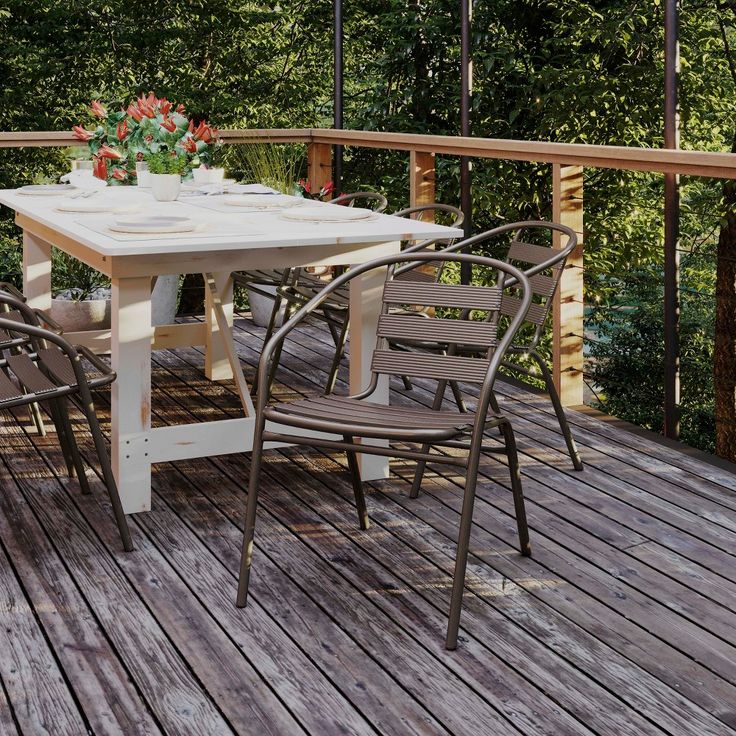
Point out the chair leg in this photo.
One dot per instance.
(106, 466)
(246, 555)
(37, 419)
(407, 383)
(357, 482)
(416, 483)
(515, 473)
(463, 545)
(559, 410)
(60, 412)
(276, 356)
(458, 396)
(63, 442)
(339, 353)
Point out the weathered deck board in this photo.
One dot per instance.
(622, 623)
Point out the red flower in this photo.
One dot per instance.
(165, 106)
(146, 107)
(205, 133)
(305, 185)
(122, 130)
(98, 109)
(111, 153)
(180, 109)
(135, 113)
(81, 134)
(168, 124)
(119, 174)
(99, 168)
(190, 145)
(190, 127)
(328, 188)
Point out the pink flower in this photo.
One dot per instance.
(122, 130)
(119, 174)
(164, 106)
(111, 153)
(168, 124)
(180, 109)
(81, 134)
(98, 109)
(190, 145)
(305, 185)
(99, 168)
(135, 113)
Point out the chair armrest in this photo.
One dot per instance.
(48, 322)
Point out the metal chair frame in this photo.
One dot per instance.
(356, 417)
(49, 369)
(545, 259)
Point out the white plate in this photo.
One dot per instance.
(332, 213)
(261, 201)
(46, 190)
(153, 224)
(92, 206)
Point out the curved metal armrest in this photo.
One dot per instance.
(556, 256)
(100, 366)
(47, 321)
(12, 290)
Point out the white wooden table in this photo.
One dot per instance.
(230, 241)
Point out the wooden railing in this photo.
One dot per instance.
(567, 160)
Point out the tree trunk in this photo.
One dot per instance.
(724, 354)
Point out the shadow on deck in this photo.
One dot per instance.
(623, 622)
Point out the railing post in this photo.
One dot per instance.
(567, 339)
(421, 181)
(319, 160)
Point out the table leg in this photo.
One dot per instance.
(131, 392)
(217, 365)
(365, 306)
(37, 272)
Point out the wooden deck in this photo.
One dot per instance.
(623, 622)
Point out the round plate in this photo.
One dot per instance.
(81, 206)
(46, 190)
(153, 224)
(261, 201)
(330, 213)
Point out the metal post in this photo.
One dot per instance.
(466, 85)
(671, 228)
(338, 89)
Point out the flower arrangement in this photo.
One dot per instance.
(149, 125)
(166, 162)
(304, 189)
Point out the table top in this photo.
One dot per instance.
(222, 229)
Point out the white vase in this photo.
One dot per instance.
(208, 176)
(261, 306)
(77, 316)
(165, 187)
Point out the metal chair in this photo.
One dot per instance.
(39, 366)
(299, 287)
(543, 266)
(431, 428)
(264, 281)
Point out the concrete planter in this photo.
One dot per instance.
(261, 306)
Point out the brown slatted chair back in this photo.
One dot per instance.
(542, 264)
(443, 328)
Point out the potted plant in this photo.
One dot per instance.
(81, 295)
(123, 136)
(165, 169)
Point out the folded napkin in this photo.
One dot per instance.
(83, 180)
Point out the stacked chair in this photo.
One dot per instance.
(265, 281)
(421, 433)
(298, 287)
(39, 367)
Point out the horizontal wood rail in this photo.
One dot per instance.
(567, 159)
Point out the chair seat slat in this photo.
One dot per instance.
(59, 365)
(447, 295)
(425, 365)
(537, 313)
(8, 390)
(29, 375)
(528, 253)
(543, 285)
(407, 328)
